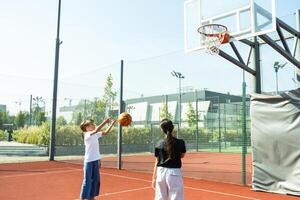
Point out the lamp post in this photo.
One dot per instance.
(277, 66)
(19, 103)
(55, 84)
(179, 76)
(69, 100)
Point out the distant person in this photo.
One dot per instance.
(167, 176)
(91, 134)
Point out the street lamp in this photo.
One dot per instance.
(130, 108)
(70, 101)
(277, 66)
(19, 103)
(179, 76)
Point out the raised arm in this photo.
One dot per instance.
(98, 128)
(109, 128)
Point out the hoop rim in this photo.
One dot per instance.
(212, 34)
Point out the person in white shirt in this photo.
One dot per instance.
(91, 180)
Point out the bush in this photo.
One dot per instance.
(131, 135)
(111, 138)
(3, 135)
(68, 135)
(44, 137)
(40, 135)
(34, 134)
(27, 135)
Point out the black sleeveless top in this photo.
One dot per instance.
(163, 158)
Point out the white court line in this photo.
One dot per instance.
(124, 191)
(222, 193)
(131, 178)
(43, 173)
(120, 176)
(199, 189)
(37, 170)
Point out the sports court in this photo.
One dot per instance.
(62, 180)
(226, 73)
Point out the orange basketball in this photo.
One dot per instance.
(226, 38)
(124, 119)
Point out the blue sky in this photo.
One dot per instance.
(97, 34)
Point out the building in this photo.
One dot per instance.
(2, 108)
(66, 112)
(213, 108)
(210, 106)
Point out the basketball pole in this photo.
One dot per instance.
(297, 56)
(244, 133)
(121, 109)
(54, 98)
(256, 61)
(244, 147)
(197, 121)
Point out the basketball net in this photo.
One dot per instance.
(212, 36)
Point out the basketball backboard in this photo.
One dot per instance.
(243, 18)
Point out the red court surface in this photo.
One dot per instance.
(60, 180)
(220, 167)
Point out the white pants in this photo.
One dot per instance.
(169, 183)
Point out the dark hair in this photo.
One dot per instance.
(167, 127)
(83, 126)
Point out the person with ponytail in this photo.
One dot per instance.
(167, 176)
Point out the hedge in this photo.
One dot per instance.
(3, 135)
(70, 135)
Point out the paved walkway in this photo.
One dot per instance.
(18, 158)
(5, 143)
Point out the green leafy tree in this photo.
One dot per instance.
(2, 118)
(21, 118)
(61, 121)
(191, 115)
(77, 118)
(5, 119)
(38, 114)
(85, 107)
(97, 108)
(163, 110)
(95, 111)
(100, 110)
(109, 96)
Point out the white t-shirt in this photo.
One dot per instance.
(92, 151)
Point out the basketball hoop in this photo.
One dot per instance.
(213, 35)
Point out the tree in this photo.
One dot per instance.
(38, 114)
(164, 113)
(77, 118)
(5, 119)
(105, 103)
(61, 121)
(40, 117)
(109, 96)
(100, 111)
(96, 109)
(21, 118)
(191, 115)
(85, 109)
